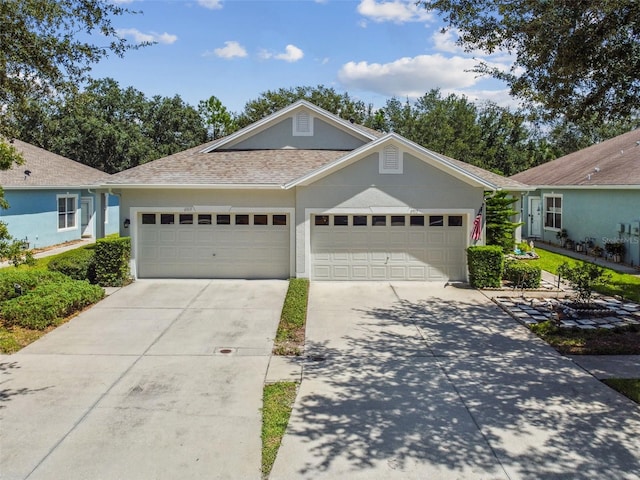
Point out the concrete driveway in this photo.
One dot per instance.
(139, 386)
(426, 382)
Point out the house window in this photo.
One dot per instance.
(322, 220)
(204, 219)
(167, 219)
(186, 219)
(341, 220)
(302, 125)
(553, 211)
(397, 220)
(223, 219)
(379, 220)
(67, 208)
(390, 160)
(242, 219)
(279, 220)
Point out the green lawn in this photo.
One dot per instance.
(629, 387)
(277, 402)
(290, 334)
(621, 284)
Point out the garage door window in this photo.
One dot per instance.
(167, 218)
(223, 219)
(455, 220)
(204, 219)
(260, 219)
(322, 220)
(436, 221)
(341, 220)
(279, 219)
(242, 219)
(379, 220)
(397, 220)
(359, 220)
(148, 218)
(186, 219)
(417, 221)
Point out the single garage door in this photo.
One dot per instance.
(213, 245)
(388, 247)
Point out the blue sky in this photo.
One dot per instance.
(237, 49)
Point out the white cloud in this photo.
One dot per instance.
(211, 4)
(397, 11)
(291, 54)
(138, 36)
(231, 49)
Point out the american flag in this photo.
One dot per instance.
(477, 226)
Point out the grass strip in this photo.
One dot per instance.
(629, 387)
(621, 284)
(290, 334)
(277, 402)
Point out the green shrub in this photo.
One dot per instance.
(49, 303)
(486, 264)
(522, 274)
(112, 261)
(78, 264)
(26, 279)
(583, 277)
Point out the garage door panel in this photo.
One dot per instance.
(413, 251)
(213, 251)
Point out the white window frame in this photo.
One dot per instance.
(75, 225)
(303, 133)
(554, 211)
(383, 156)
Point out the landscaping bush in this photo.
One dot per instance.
(522, 274)
(26, 279)
(49, 303)
(78, 264)
(486, 264)
(583, 277)
(112, 261)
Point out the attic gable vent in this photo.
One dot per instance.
(303, 125)
(391, 160)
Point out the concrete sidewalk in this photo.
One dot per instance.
(421, 381)
(161, 380)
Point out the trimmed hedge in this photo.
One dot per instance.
(26, 279)
(522, 274)
(78, 264)
(49, 303)
(112, 261)
(486, 264)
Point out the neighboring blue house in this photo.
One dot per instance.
(53, 199)
(593, 194)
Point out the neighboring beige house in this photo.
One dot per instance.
(304, 193)
(594, 194)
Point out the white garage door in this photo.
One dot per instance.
(213, 245)
(388, 247)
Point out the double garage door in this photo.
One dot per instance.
(213, 245)
(388, 247)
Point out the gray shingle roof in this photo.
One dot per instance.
(499, 181)
(613, 162)
(227, 167)
(49, 170)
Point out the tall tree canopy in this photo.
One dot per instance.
(45, 47)
(217, 118)
(576, 58)
(112, 128)
(327, 98)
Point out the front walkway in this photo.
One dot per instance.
(424, 381)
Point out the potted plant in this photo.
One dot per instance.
(615, 250)
(570, 244)
(579, 246)
(597, 251)
(562, 235)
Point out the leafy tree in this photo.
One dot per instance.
(44, 45)
(583, 277)
(323, 97)
(500, 228)
(216, 117)
(576, 58)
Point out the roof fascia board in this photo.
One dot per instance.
(191, 186)
(274, 117)
(586, 187)
(53, 187)
(420, 152)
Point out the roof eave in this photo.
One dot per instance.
(195, 186)
(586, 187)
